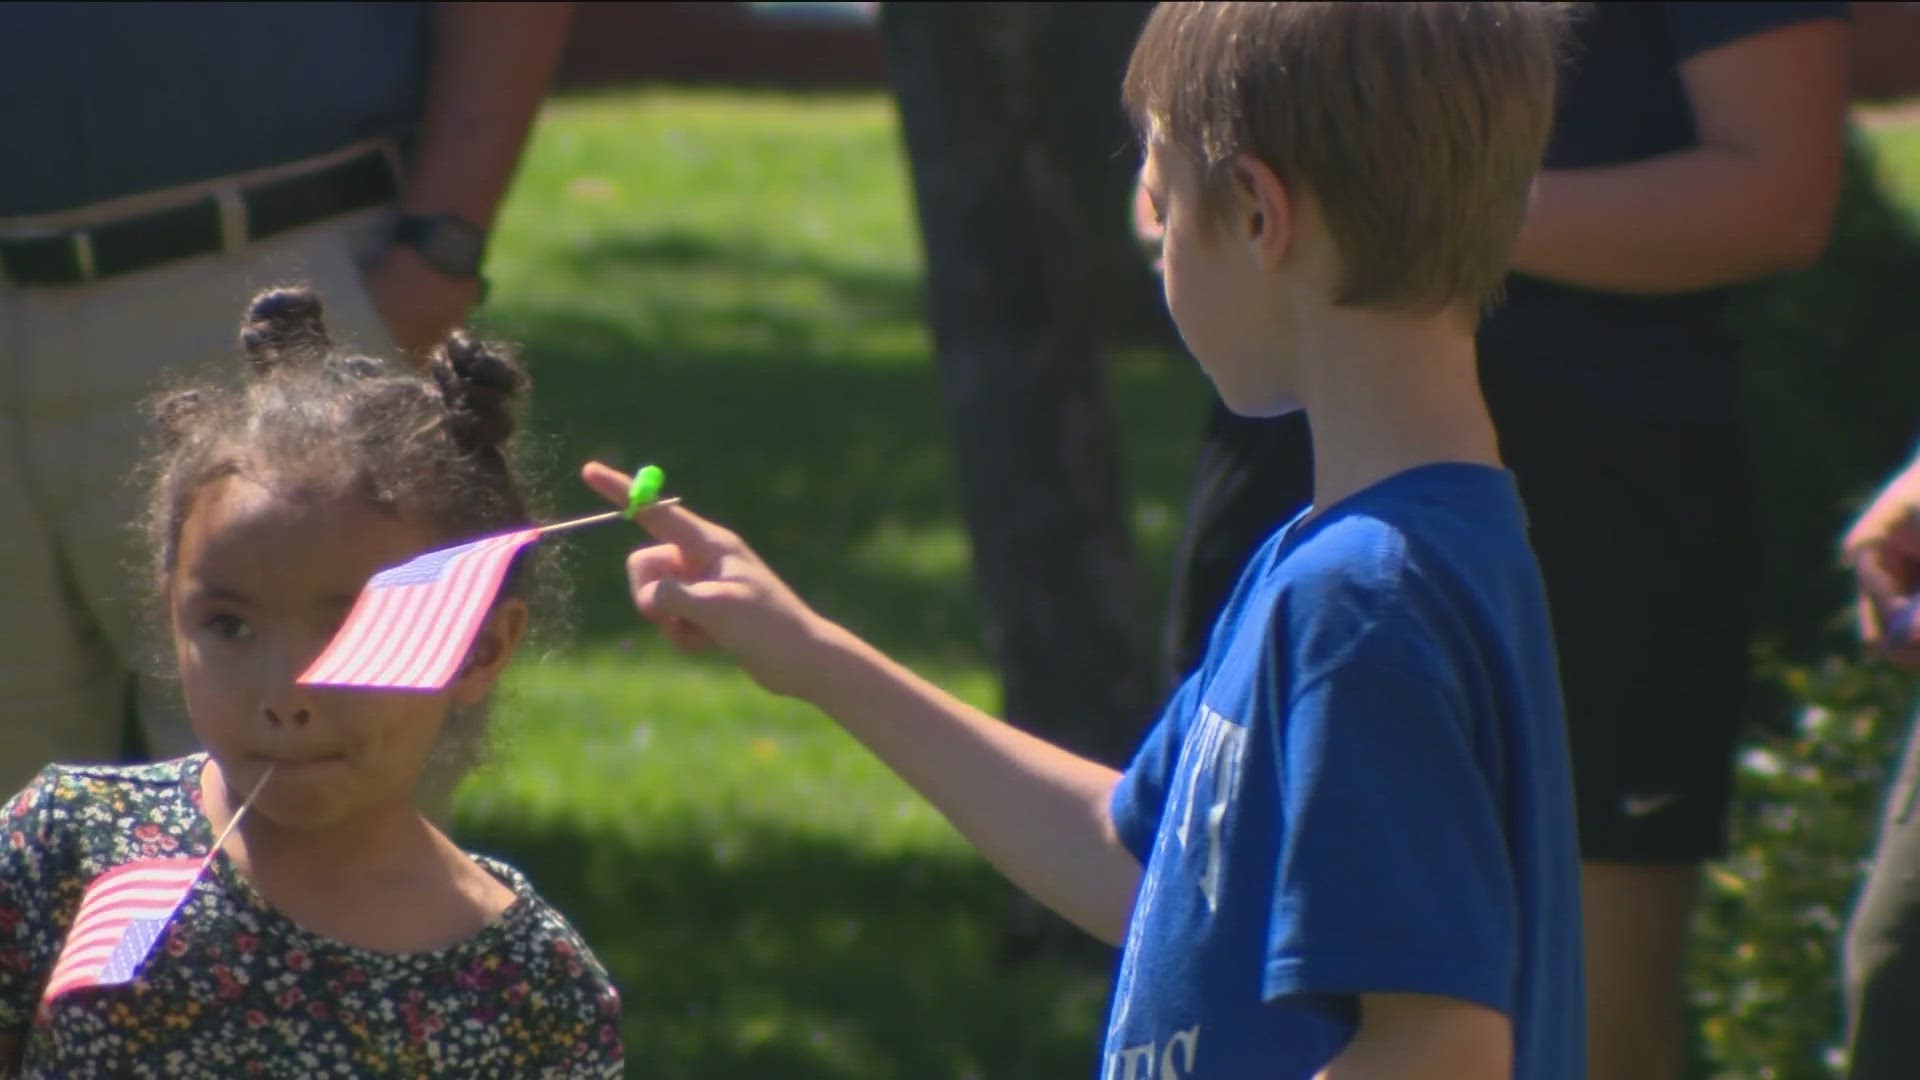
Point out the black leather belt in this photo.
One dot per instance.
(78, 256)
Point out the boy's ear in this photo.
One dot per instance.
(492, 647)
(1264, 217)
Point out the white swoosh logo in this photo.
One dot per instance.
(1642, 805)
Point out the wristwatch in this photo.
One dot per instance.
(447, 242)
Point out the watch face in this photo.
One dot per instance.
(448, 244)
(462, 243)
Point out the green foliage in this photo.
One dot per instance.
(1767, 946)
(1833, 378)
(1833, 381)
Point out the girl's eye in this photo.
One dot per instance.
(229, 628)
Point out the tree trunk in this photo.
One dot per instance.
(1015, 321)
(1085, 49)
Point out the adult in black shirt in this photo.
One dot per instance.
(1696, 146)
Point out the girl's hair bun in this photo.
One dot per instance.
(283, 324)
(481, 386)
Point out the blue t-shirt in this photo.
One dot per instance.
(1363, 788)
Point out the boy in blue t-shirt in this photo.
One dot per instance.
(1347, 848)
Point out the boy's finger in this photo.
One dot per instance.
(609, 483)
(660, 590)
(695, 535)
(656, 562)
(687, 637)
(674, 605)
(667, 521)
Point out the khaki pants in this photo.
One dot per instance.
(77, 648)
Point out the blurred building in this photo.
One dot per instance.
(829, 44)
(738, 44)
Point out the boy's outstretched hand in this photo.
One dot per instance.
(1037, 812)
(705, 587)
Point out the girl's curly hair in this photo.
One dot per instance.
(310, 418)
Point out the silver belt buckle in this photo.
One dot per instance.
(82, 242)
(233, 219)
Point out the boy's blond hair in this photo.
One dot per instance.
(1416, 128)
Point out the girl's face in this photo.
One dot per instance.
(261, 584)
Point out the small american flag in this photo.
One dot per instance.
(412, 625)
(121, 915)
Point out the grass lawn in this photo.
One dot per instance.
(728, 285)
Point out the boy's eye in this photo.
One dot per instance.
(229, 627)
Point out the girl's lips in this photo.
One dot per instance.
(299, 763)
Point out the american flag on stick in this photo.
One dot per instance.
(125, 911)
(413, 623)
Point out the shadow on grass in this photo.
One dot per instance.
(829, 452)
(807, 461)
(767, 953)
(876, 293)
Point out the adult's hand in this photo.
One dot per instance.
(1883, 549)
(419, 304)
(490, 68)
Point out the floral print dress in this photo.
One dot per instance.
(235, 989)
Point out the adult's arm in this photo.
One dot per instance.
(1755, 196)
(492, 64)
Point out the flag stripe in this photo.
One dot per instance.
(86, 966)
(413, 624)
(100, 930)
(358, 657)
(376, 628)
(402, 620)
(410, 618)
(363, 632)
(460, 611)
(106, 927)
(469, 604)
(121, 915)
(133, 884)
(110, 912)
(435, 607)
(145, 870)
(472, 605)
(131, 897)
